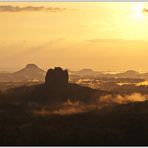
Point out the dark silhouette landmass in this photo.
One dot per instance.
(55, 89)
(58, 112)
(56, 79)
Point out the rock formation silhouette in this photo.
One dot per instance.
(56, 79)
(54, 91)
(57, 87)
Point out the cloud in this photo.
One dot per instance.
(10, 8)
(105, 40)
(145, 10)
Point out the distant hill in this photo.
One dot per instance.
(129, 74)
(85, 72)
(126, 74)
(30, 72)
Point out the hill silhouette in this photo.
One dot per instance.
(30, 72)
(55, 89)
(85, 72)
(41, 115)
(129, 74)
(132, 74)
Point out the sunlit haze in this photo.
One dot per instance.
(101, 36)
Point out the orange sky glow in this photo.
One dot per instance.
(97, 35)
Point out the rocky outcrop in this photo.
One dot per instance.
(56, 79)
(59, 90)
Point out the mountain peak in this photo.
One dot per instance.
(30, 72)
(30, 66)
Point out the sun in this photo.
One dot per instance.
(137, 10)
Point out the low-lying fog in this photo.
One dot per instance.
(73, 107)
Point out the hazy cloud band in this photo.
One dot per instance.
(10, 8)
(145, 10)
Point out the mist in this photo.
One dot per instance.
(75, 107)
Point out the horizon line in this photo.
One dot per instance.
(12, 69)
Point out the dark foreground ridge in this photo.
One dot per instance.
(55, 89)
(35, 115)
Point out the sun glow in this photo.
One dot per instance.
(138, 10)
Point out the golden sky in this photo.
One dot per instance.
(97, 35)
